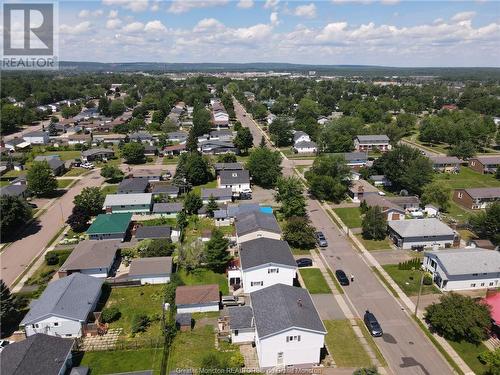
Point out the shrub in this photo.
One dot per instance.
(427, 279)
(51, 259)
(140, 323)
(410, 264)
(110, 314)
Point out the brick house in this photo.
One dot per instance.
(476, 199)
(485, 164)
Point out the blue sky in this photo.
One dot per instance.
(387, 32)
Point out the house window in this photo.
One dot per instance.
(35, 326)
(473, 285)
(491, 284)
(257, 283)
(482, 284)
(292, 338)
(475, 274)
(273, 270)
(56, 324)
(236, 332)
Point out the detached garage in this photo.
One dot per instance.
(197, 298)
(154, 270)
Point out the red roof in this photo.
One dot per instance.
(175, 147)
(494, 302)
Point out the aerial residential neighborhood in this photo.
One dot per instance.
(170, 206)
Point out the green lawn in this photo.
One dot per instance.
(116, 361)
(64, 183)
(202, 276)
(211, 184)
(13, 174)
(314, 280)
(296, 251)
(372, 245)
(64, 155)
(189, 348)
(351, 216)
(167, 160)
(147, 299)
(109, 189)
(469, 353)
(408, 280)
(467, 178)
(458, 212)
(75, 171)
(197, 225)
(4, 183)
(344, 346)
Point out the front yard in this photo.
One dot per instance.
(117, 361)
(467, 178)
(469, 353)
(75, 171)
(373, 245)
(109, 189)
(409, 280)
(314, 280)
(64, 182)
(351, 216)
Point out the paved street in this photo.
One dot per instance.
(404, 346)
(16, 258)
(28, 129)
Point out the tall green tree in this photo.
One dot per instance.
(91, 200)
(264, 166)
(487, 224)
(216, 254)
(192, 141)
(290, 193)
(15, 213)
(8, 307)
(281, 132)
(299, 232)
(78, 219)
(212, 206)
(374, 224)
(133, 153)
(192, 203)
(201, 120)
(40, 179)
(103, 106)
(438, 194)
(492, 360)
(243, 140)
(116, 108)
(328, 178)
(112, 173)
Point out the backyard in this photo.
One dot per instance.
(351, 216)
(202, 276)
(314, 280)
(467, 178)
(117, 361)
(63, 155)
(409, 280)
(210, 184)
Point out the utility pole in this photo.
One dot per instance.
(419, 292)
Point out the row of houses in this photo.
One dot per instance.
(452, 164)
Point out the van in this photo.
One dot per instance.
(233, 301)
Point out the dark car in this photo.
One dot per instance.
(342, 277)
(372, 324)
(304, 262)
(321, 239)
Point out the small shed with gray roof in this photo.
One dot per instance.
(153, 270)
(167, 209)
(241, 324)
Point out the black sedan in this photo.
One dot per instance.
(342, 277)
(304, 262)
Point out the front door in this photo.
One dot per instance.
(280, 359)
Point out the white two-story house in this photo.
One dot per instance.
(237, 180)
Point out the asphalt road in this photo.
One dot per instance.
(404, 346)
(16, 257)
(28, 129)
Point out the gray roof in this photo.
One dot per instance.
(92, 254)
(133, 185)
(420, 227)
(468, 261)
(228, 166)
(377, 200)
(97, 151)
(38, 354)
(220, 214)
(216, 193)
(166, 189)
(233, 211)
(234, 177)
(355, 156)
(38, 133)
(249, 222)
(373, 138)
(240, 317)
(299, 134)
(13, 190)
(445, 160)
(487, 193)
(488, 159)
(154, 266)
(378, 177)
(281, 307)
(177, 135)
(183, 319)
(71, 297)
(159, 208)
(221, 132)
(80, 370)
(305, 144)
(141, 135)
(402, 200)
(53, 161)
(150, 232)
(264, 251)
(127, 199)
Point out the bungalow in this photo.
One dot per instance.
(355, 160)
(380, 180)
(255, 224)
(39, 354)
(221, 195)
(142, 137)
(133, 185)
(407, 202)
(148, 174)
(305, 147)
(217, 147)
(109, 226)
(485, 164)
(463, 269)
(391, 210)
(417, 234)
(128, 203)
(94, 154)
(197, 298)
(167, 209)
(108, 138)
(361, 189)
(288, 328)
(15, 144)
(150, 150)
(92, 258)
(237, 180)
(153, 270)
(154, 232)
(162, 189)
(178, 137)
(55, 163)
(174, 149)
(37, 138)
(300, 136)
(447, 164)
(263, 262)
(476, 198)
(224, 135)
(65, 307)
(372, 142)
(14, 191)
(78, 139)
(227, 167)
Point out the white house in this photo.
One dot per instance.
(263, 262)
(270, 118)
(417, 234)
(64, 307)
(300, 136)
(197, 298)
(462, 269)
(237, 180)
(288, 329)
(37, 138)
(305, 147)
(221, 195)
(125, 203)
(242, 327)
(256, 224)
(153, 270)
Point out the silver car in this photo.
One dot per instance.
(321, 239)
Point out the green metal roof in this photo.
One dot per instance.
(110, 223)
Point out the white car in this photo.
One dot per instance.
(246, 191)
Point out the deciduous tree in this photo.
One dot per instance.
(299, 232)
(264, 166)
(91, 200)
(40, 179)
(374, 224)
(133, 153)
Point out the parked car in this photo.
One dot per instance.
(372, 324)
(304, 262)
(245, 196)
(3, 344)
(233, 301)
(321, 239)
(87, 165)
(342, 277)
(246, 191)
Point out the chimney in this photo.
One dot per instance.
(299, 302)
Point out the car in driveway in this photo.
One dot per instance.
(372, 324)
(232, 301)
(342, 277)
(321, 239)
(304, 262)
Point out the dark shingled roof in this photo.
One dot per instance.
(92, 254)
(183, 319)
(240, 317)
(280, 307)
(167, 207)
(252, 221)
(234, 177)
(149, 232)
(37, 355)
(13, 190)
(152, 266)
(228, 166)
(265, 250)
(217, 193)
(133, 185)
(196, 294)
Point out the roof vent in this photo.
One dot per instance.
(299, 302)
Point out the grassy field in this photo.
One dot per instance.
(64, 155)
(351, 216)
(75, 171)
(459, 213)
(117, 361)
(189, 348)
(408, 280)
(202, 276)
(469, 353)
(314, 280)
(211, 184)
(467, 178)
(64, 183)
(109, 189)
(344, 346)
(372, 245)
(13, 174)
(131, 301)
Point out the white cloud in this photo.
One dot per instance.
(390, 2)
(245, 4)
(84, 13)
(208, 24)
(274, 18)
(155, 26)
(307, 11)
(80, 28)
(463, 16)
(133, 27)
(133, 5)
(155, 7)
(271, 4)
(113, 14)
(113, 23)
(182, 6)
